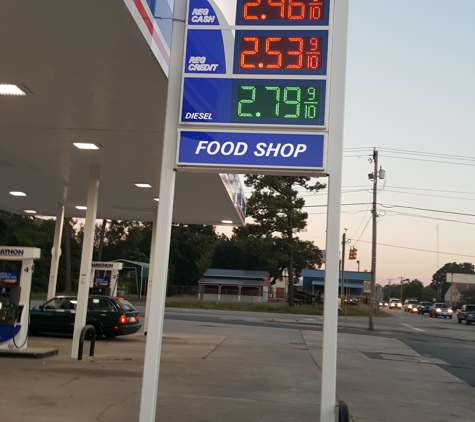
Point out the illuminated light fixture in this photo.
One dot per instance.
(81, 207)
(143, 185)
(29, 211)
(156, 199)
(7, 89)
(85, 145)
(15, 193)
(226, 222)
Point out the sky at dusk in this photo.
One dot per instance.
(409, 94)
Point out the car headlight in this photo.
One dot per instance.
(409, 306)
(450, 311)
(437, 310)
(399, 305)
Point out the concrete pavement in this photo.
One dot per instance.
(214, 372)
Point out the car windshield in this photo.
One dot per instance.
(470, 308)
(426, 303)
(413, 302)
(126, 305)
(441, 305)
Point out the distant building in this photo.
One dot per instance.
(355, 283)
(234, 286)
(454, 294)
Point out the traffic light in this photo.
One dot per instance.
(352, 253)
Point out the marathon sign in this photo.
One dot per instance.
(287, 151)
(12, 252)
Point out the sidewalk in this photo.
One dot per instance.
(216, 372)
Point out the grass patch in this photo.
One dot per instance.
(272, 307)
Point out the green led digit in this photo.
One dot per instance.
(252, 90)
(295, 102)
(277, 98)
(311, 104)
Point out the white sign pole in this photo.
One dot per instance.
(162, 226)
(335, 157)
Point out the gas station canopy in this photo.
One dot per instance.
(91, 75)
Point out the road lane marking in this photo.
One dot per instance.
(413, 328)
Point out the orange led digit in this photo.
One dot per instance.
(247, 5)
(296, 10)
(278, 65)
(316, 10)
(313, 55)
(245, 53)
(297, 53)
(280, 4)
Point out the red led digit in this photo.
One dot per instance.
(313, 56)
(296, 10)
(279, 4)
(245, 53)
(297, 53)
(316, 10)
(245, 11)
(278, 65)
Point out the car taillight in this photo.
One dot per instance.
(123, 319)
(137, 318)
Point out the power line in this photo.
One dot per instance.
(419, 250)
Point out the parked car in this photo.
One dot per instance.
(440, 309)
(423, 308)
(395, 304)
(110, 316)
(410, 304)
(467, 313)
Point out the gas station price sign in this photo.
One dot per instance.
(281, 52)
(282, 12)
(254, 101)
(256, 62)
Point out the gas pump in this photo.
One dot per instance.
(107, 283)
(15, 287)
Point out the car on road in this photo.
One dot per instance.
(467, 314)
(110, 316)
(440, 309)
(423, 308)
(410, 304)
(395, 304)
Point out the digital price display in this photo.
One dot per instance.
(254, 101)
(282, 12)
(278, 52)
(278, 102)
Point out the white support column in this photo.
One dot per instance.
(335, 158)
(113, 282)
(86, 258)
(148, 402)
(55, 252)
(150, 272)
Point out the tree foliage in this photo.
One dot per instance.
(277, 211)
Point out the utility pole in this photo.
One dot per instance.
(373, 248)
(343, 243)
(389, 292)
(401, 286)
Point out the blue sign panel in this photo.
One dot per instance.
(254, 101)
(205, 52)
(202, 13)
(248, 150)
(8, 277)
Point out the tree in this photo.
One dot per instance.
(413, 289)
(439, 283)
(191, 252)
(276, 209)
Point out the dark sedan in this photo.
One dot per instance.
(110, 316)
